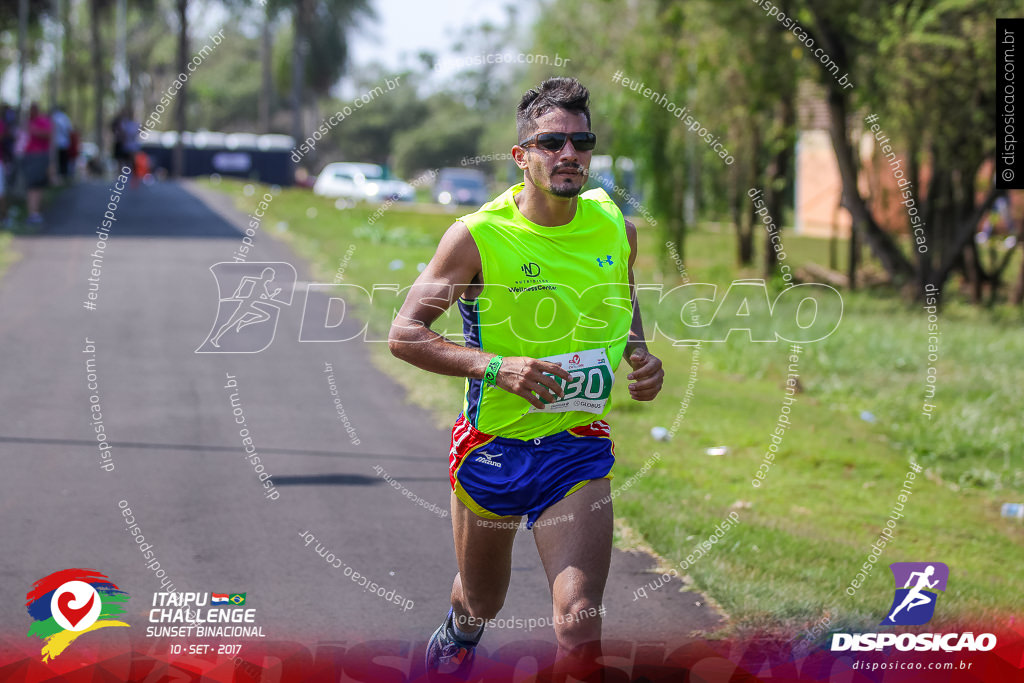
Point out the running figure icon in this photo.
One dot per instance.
(253, 296)
(916, 598)
(250, 300)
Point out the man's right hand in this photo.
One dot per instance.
(530, 378)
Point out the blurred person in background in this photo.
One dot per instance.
(62, 132)
(142, 169)
(8, 125)
(35, 163)
(126, 139)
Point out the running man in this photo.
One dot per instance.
(251, 307)
(915, 597)
(543, 278)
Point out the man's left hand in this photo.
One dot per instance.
(648, 375)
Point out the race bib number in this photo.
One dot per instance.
(589, 385)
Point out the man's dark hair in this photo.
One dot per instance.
(562, 93)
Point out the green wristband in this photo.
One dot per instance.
(491, 373)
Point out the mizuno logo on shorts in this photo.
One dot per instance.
(487, 459)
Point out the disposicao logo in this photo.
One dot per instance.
(916, 583)
(69, 603)
(912, 605)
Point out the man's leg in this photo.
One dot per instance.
(576, 554)
(483, 548)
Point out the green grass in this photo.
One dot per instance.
(7, 253)
(806, 531)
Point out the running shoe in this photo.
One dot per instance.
(446, 653)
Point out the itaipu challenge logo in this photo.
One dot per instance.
(70, 603)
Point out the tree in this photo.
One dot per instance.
(449, 133)
(747, 79)
(910, 61)
(707, 76)
(97, 10)
(26, 18)
(373, 134)
(181, 103)
(269, 14)
(319, 47)
(266, 100)
(628, 122)
(300, 48)
(1017, 296)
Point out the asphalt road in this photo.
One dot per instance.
(179, 461)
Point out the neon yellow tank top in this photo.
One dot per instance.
(548, 291)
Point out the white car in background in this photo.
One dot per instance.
(357, 181)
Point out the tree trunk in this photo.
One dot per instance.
(678, 224)
(299, 48)
(833, 244)
(121, 54)
(881, 245)
(677, 231)
(267, 81)
(67, 78)
(57, 75)
(964, 235)
(777, 188)
(743, 214)
(995, 277)
(178, 163)
(853, 260)
(973, 272)
(1018, 290)
(664, 185)
(314, 109)
(97, 73)
(22, 53)
(745, 240)
(742, 209)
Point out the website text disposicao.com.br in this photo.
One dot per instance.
(325, 127)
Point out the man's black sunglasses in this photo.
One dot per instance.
(554, 142)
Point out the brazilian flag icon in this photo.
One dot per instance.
(237, 598)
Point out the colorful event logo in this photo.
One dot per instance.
(916, 583)
(68, 603)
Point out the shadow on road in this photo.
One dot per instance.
(341, 480)
(157, 210)
(199, 448)
(327, 480)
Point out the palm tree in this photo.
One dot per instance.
(300, 46)
(266, 81)
(321, 33)
(178, 163)
(97, 10)
(271, 11)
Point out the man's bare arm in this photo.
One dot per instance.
(453, 267)
(646, 367)
(636, 328)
